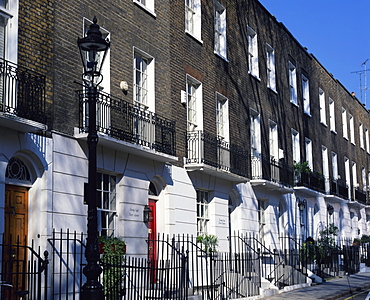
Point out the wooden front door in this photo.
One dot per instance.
(152, 240)
(14, 267)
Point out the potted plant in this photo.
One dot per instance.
(356, 242)
(209, 242)
(111, 245)
(299, 169)
(113, 250)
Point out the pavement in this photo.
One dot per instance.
(331, 289)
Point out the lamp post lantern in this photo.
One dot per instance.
(93, 48)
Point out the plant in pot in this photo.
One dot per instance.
(209, 242)
(299, 169)
(113, 250)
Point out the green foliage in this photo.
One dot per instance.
(302, 167)
(209, 241)
(323, 247)
(112, 259)
(356, 241)
(365, 239)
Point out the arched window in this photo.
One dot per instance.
(17, 169)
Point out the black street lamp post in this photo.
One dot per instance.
(330, 211)
(91, 47)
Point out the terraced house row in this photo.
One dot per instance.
(213, 120)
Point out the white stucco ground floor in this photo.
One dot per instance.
(42, 188)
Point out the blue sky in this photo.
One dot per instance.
(337, 32)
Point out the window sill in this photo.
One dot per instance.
(346, 138)
(294, 103)
(198, 39)
(323, 124)
(307, 114)
(145, 8)
(333, 131)
(221, 56)
(272, 90)
(255, 76)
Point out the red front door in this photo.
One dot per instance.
(152, 239)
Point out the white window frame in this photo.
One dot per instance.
(296, 150)
(325, 167)
(334, 162)
(361, 134)
(308, 148)
(194, 104)
(193, 19)
(293, 92)
(220, 30)
(144, 92)
(344, 123)
(10, 18)
(306, 95)
(322, 103)
(367, 140)
(352, 129)
(347, 173)
(332, 115)
(273, 140)
(222, 116)
(363, 175)
(255, 131)
(253, 68)
(203, 218)
(354, 175)
(270, 65)
(147, 5)
(107, 202)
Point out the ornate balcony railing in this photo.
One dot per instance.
(211, 150)
(130, 123)
(360, 196)
(22, 92)
(311, 180)
(338, 188)
(272, 170)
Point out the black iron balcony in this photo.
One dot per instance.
(272, 170)
(211, 150)
(130, 123)
(311, 180)
(360, 196)
(339, 188)
(22, 92)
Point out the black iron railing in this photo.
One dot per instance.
(24, 270)
(22, 92)
(360, 196)
(311, 180)
(339, 188)
(130, 123)
(271, 169)
(211, 150)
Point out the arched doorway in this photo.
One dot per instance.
(14, 260)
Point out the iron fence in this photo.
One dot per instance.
(176, 267)
(24, 270)
(22, 92)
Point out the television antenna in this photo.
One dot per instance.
(364, 74)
